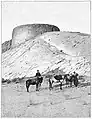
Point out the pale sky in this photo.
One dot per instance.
(68, 16)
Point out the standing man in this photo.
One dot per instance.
(38, 75)
(75, 79)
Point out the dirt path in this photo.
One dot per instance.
(69, 102)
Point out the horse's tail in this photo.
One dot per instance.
(50, 84)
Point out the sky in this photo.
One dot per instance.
(68, 16)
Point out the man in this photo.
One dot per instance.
(75, 78)
(76, 74)
(38, 75)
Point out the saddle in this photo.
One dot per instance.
(39, 76)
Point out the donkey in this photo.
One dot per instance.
(34, 81)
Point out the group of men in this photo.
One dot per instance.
(75, 77)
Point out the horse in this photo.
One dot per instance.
(34, 81)
(56, 79)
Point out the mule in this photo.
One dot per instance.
(34, 81)
(56, 79)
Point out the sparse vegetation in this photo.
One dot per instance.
(8, 81)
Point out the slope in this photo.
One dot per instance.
(72, 43)
(38, 53)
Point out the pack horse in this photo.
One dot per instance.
(69, 78)
(56, 79)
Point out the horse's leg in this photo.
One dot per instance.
(66, 82)
(76, 82)
(27, 86)
(37, 87)
(61, 85)
(50, 84)
(40, 84)
(70, 83)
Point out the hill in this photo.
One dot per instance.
(39, 53)
(51, 53)
(71, 43)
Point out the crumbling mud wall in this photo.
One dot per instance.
(25, 32)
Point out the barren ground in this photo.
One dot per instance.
(69, 102)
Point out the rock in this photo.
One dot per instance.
(6, 46)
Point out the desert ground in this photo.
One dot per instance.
(53, 51)
(69, 102)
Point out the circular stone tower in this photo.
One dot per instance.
(25, 32)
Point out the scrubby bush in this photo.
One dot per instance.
(8, 81)
(4, 80)
(14, 80)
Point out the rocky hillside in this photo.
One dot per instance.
(71, 43)
(6, 46)
(23, 59)
(39, 53)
